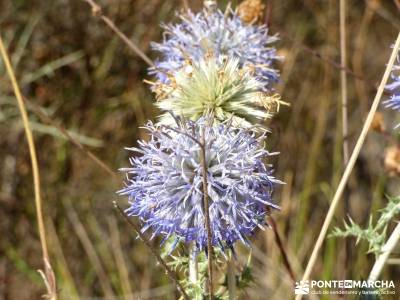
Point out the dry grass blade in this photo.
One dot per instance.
(350, 165)
(48, 274)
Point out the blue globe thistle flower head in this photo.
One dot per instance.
(223, 34)
(217, 87)
(394, 87)
(165, 190)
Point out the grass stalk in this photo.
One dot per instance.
(350, 165)
(385, 252)
(48, 274)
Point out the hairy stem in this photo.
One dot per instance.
(206, 207)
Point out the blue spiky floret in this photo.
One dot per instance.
(394, 88)
(219, 33)
(164, 183)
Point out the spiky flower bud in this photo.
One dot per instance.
(218, 88)
(165, 183)
(222, 34)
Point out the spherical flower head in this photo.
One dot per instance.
(223, 34)
(394, 88)
(165, 183)
(221, 88)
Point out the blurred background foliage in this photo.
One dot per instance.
(79, 73)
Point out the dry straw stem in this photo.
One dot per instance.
(48, 274)
(97, 11)
(385, 252)
(350, 165)
(343, 81)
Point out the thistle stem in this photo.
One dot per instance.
(193, 265)
(207, 214)
(386, 250)
(231, 278)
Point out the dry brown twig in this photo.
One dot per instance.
(98, 12)
(282, 249)
(44, 117)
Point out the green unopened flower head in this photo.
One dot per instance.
(221, 89)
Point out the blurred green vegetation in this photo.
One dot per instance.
(74, 68)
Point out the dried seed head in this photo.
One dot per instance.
(378, 123)
(251, 11)
(392, 160)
